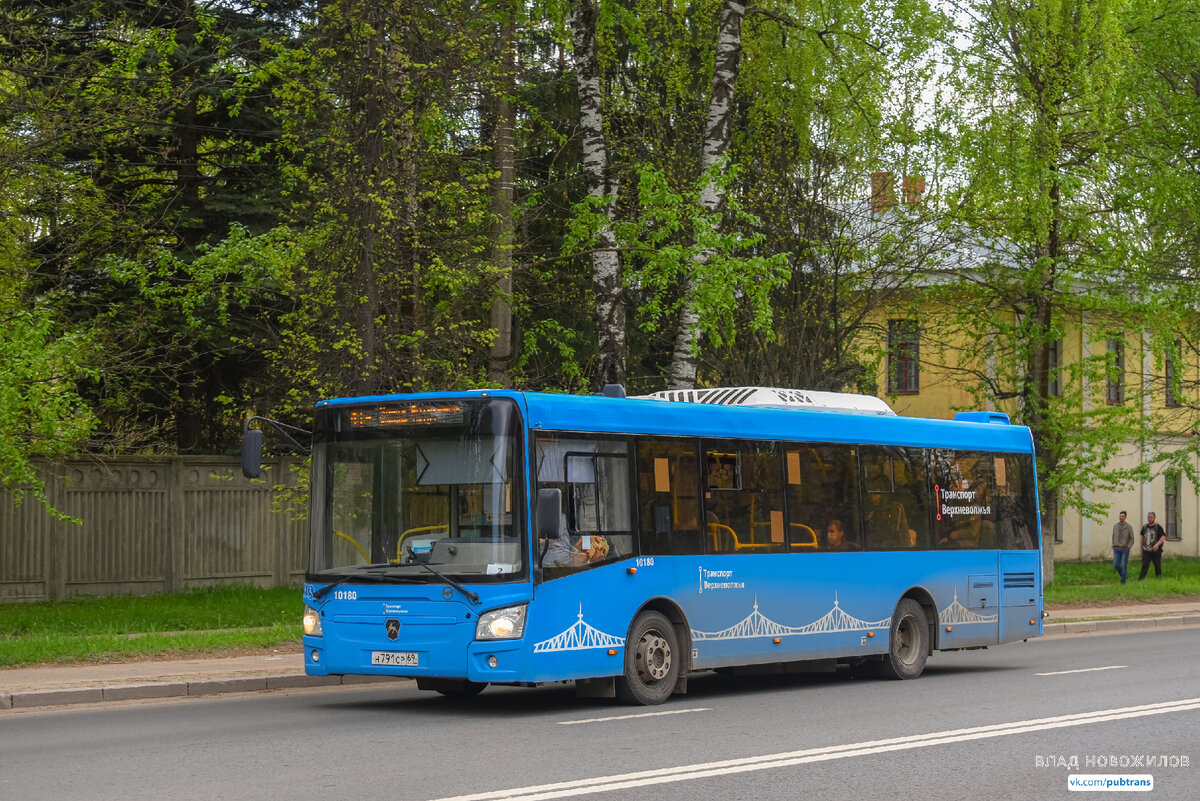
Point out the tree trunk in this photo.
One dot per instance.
(606, 263)
(374, 168)
(718, 133)
(1038, 382)
(501, 356)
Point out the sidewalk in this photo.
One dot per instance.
(25, 688)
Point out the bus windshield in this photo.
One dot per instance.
(403, 487)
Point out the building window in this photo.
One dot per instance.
(1171, 507)
(1053, 366)
(904, 350)
(1116, 372)
(1174, 358)
(1050, 525)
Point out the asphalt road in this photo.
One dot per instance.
(1013, 722)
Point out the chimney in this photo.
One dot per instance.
(883, 191)
(914, 188)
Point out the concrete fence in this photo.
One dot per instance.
(151, 525)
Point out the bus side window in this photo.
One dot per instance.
(1016, 509)
(743, 501)
(821, 485)
(895, 496)
(592, 475)
(964, 491)
(668, 496)
(601, 510)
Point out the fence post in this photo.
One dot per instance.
(175, 533)
(56, 548)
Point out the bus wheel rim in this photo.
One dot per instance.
(653, 657)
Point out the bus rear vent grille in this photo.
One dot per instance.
(1018, 581)
(730, 396)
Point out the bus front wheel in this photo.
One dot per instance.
(651, 661)
(908, 648)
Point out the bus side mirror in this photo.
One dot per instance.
(252, 441)
(546, 513)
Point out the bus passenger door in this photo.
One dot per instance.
(1020, 594)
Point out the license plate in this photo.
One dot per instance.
(397, 658)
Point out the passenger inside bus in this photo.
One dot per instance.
(573, 550)
(835, 538)
(559, 551)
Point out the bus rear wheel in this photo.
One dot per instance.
(908, 648)
(651, 661)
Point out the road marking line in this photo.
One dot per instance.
(1082, 670)
(638, 715)
(645, 778)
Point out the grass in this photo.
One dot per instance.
(241, 619)
(1097, 583)
(218, 620)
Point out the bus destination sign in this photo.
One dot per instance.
(405, 414)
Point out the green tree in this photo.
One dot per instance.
(665, 78)
(44, 357)
(830, 94)
(391, 117)
(1154, 195)
(149, 125)
(1053, 104)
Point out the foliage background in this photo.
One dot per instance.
(210, 209)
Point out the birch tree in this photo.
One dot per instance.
(826, 99)
(602, 189)
(718, 134)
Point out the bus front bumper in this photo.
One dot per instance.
(491, 661)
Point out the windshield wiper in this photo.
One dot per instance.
(377, 577)
(387, 577)
(473, 597)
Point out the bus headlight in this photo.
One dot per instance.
(312, 622)
(501, 624)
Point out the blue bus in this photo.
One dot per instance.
(620, 543)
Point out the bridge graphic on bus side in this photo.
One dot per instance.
(756, 624)
(959, 615)
(579, 637)
(582, 636)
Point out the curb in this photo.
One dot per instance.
(1119, 624)
(63, 696)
